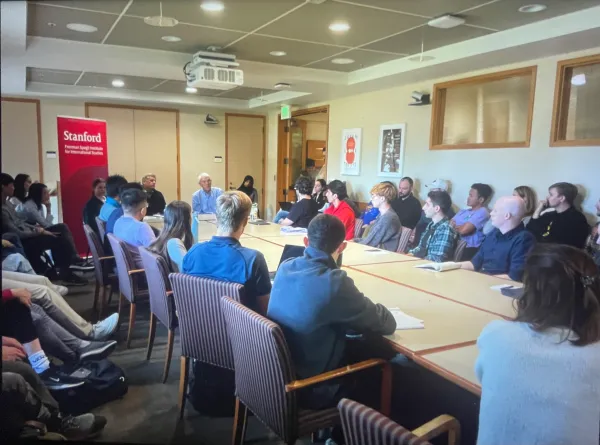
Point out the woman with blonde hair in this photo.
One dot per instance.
(530, 199)
(176, 237)
(385, 230)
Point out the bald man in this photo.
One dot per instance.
(504, 250)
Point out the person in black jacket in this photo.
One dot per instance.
(318, 193)
(556, 220)
(93, 206)
(156, 200)
(406, 206)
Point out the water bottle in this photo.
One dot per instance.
(254, 212)
(195, 226)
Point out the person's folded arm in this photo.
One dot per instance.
(286, 222)
(466, 229)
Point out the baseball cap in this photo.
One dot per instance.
(441, 184)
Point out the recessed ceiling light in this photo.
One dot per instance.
(342, 61)
(81, 27)
(51, 24)
(578, 79)
(282, 86)
(339, 27)
(171, 39)
(532, 8)
(191, 90)
(278, 53)
(161, 21)
(118, 83)
(421, 58)
(212, 6)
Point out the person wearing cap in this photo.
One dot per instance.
(469, 222)
(436, 185)
(336, 195)
(406, 206)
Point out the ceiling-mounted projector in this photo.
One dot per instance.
(212, 70)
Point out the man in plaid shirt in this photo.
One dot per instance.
(439, 238)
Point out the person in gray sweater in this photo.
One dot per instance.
(540, 373)
(385, 230)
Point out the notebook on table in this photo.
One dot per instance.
(440, 267)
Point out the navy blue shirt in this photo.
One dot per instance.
(504, 254)
(315, 303)
(224, 258)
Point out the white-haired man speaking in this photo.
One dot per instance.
(204, 201)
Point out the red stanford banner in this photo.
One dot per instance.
(83, 157)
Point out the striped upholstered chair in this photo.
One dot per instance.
(132, 281)
(265, 378)
(106, 280)
(405, 234)
(162, 304)
(358, 225)
(365, 426)
(459, 250)
(201, 324)
(101, 228)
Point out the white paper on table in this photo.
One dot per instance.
(440, 267)
(288, 230)
(405, 321)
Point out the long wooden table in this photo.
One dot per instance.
(454, 305)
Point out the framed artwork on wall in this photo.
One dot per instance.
(351, 147)
(390, 161)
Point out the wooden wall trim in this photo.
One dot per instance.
(39, 129)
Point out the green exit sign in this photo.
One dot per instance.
(286, 112)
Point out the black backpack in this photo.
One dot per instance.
(104, 383)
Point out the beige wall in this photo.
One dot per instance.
(316, 131)
(537, 166)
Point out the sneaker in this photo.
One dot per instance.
(62, 290)
(97, 350)
(105, 328)
(56, 380)
(74, 280)
(81, 265)
(82, 427)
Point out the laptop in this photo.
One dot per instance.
(291, 251)
(287, 206)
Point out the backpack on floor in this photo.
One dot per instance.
(104, 383)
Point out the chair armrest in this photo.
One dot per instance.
(104, 258)
(340, 372)
(438, 426)
(134, 271)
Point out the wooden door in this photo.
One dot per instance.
(244, 155)
(156, 149)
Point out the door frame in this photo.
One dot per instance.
(263, 195)
(134, 107)
(283, 152)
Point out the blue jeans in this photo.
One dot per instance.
(282, 214)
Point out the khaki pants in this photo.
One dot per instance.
(44, 295)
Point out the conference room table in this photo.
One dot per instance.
(453, 305)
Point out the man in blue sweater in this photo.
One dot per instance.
(317, 304)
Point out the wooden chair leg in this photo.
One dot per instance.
(386, 390)
(170, 341)
(131, 324)
(239, 422)
(151, 334)
(96, 295)
(183, 383)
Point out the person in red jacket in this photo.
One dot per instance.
(336, 194)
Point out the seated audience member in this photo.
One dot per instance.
(318, 193)
(224, 258)
(36, 240)
(22, 183)
(406, 206)
(50, 298)
(469, 222)
(565, 224)
(248, 188)
(156, 200)
(176, 238)
(94, 205)
(114, 183)
(435, 186)
(204, 201)
(305, 209)
(386, 228)
(316, 303)
(439, 238)
(336, 196)
(555, 337)
(25, 399)
(130, 227)
(32, 211)
(528, 195)
(505, 249)
(593, 242)
(118, 212)
(370, 214)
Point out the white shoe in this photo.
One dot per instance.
(105, 328)
(63, 290)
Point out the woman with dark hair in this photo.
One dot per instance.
(176, 237)
(248, 188)
(32, 209)
(93, 206)
(22, 183)
(318, 193)
(305, 208)
(540, 373)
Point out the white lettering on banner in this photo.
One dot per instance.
(85, 137)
